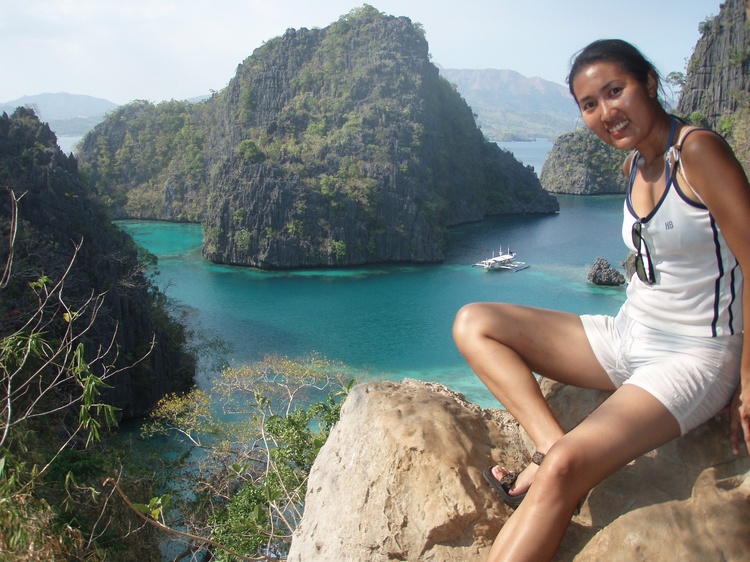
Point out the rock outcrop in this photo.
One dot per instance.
(400, 479)
(330, 147)
(582, 164)
(602, 273)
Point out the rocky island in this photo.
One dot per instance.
(581, 164)
(330, 147)
(602, 273)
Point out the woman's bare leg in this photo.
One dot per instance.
(505, 344)
(628, 424)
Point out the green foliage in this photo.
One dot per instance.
(242, 525)
(248, 102)
(242, 239)
(738, 56)
(726, 125)
(710, 25)
(698, 119)
(249, 151)
(155, 507)
(141, 146)
(675, 81)
(33, 370)
(739, 136)
(338, 249)
(249, 483)
(248, 491)
(49, 501)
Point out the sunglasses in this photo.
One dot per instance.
(645, 271)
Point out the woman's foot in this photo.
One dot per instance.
(520, 482)
(511, 486)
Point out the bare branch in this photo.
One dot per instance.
(175, 532)
(12, 238)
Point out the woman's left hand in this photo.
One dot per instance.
(739, 421)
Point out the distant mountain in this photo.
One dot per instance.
(66, 114)
(510, 106)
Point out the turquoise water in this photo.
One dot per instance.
(392, 321)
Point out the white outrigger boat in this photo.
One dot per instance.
(502, 261)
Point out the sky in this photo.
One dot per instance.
(122, 50)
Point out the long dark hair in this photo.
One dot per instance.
(616, 51)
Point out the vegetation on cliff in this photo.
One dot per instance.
(333, 146)
(84, 339)
(60, 229)
(581, 164)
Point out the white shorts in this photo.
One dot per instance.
(694, 377)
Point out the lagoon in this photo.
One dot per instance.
(391, 321)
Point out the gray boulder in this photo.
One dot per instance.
(601, 273)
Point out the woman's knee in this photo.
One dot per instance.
(564, 471)
(464, 321)
(559, 467)
(472, 321)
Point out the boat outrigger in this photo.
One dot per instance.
(502, 261)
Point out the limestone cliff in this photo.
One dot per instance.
(329, 147)
(717, 84)
(582, 164)
(718, 74)
(400, 479)
(56, 211)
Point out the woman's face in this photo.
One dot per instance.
(615, 105)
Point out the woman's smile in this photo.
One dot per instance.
(619, 127)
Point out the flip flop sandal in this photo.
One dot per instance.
(503, 486)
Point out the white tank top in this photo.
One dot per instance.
(698, 282)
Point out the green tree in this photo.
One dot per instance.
(251, 455)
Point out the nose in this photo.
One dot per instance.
(607, 109)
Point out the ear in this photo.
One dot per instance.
(652, 85)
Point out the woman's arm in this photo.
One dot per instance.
(720, 181)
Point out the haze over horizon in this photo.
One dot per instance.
(179, 49)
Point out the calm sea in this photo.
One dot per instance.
(393, 321)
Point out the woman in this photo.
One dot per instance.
(674, 353)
